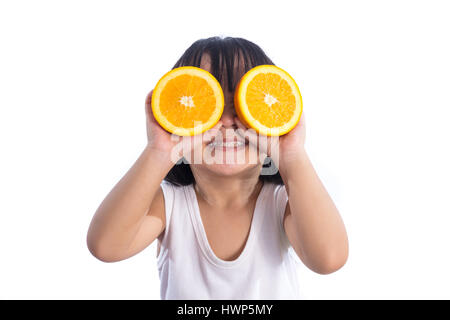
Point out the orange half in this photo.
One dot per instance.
(187, 101)
(268, 100)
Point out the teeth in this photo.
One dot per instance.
(230, 144)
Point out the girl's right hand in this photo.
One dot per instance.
(158, 138)
(163, 141)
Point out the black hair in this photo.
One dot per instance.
(222, 52)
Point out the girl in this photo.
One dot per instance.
(224, 230)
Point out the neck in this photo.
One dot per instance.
(226, 191)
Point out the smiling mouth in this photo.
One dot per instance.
(233, 143)
(227, 144)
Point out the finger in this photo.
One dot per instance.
(195, 141)
(217, 126)
(212, 133)
(244, 131)
(302, 118)
(251, 136)
(241, 127)
(239, 123)
(148, 102)
(260, 141)
(149, 111)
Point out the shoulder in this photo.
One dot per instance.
(173, 201)
(172, 194)
(170, 190)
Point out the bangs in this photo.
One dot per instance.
(230, 58)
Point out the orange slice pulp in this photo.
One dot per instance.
(268, 100)
(187, 101)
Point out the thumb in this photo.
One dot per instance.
(148, 102)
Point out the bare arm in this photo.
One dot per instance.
(312, 221)
(132, 215)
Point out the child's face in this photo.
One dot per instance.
(229, 153)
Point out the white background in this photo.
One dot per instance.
(375, 80)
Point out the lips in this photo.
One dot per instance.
(227, 143)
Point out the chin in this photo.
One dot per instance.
(229, 169)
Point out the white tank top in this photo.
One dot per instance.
(189, 269)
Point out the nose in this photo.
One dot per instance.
(228, 116)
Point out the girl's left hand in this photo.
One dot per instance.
(283, 149)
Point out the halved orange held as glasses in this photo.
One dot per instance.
(268, 100)
(187, 101)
